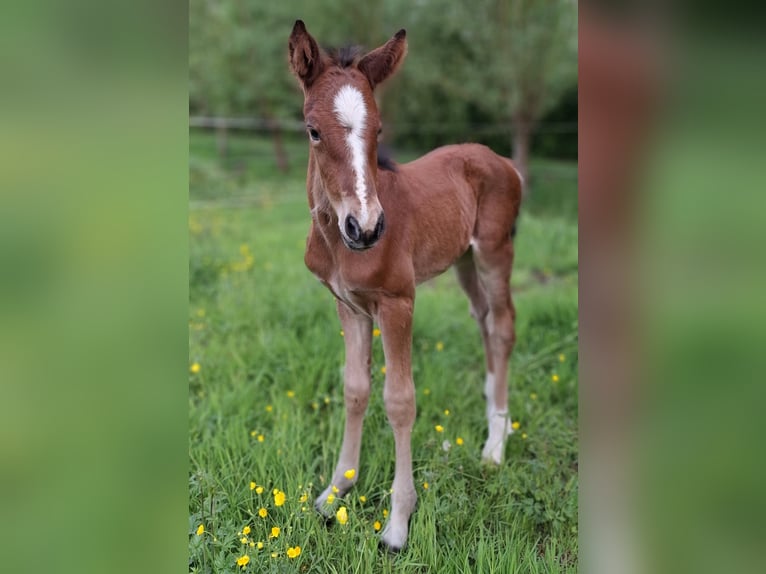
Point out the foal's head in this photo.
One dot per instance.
(342, 123)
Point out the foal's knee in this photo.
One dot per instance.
(356, 394)
(400, 405)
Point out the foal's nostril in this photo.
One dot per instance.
(353, 231)
(379, 227)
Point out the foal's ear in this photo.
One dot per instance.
(382, 62)
(305, 56)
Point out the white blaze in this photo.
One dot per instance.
(351, 113)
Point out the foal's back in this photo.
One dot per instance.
(450, 198)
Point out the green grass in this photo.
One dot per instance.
(261, 325)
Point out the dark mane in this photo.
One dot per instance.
(385, 161)
(345, 56)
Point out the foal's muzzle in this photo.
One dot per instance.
(357, 239)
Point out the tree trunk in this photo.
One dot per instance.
(522, 134)
(273, 127)
(280, 154)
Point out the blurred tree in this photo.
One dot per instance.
(555, 137)
(539, 38)
(477, 70)
(509, 59)
(238, 63)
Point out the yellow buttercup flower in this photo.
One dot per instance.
(252, 486)
(350, 473)
(439, 428)
(261, 438)
(260, 545)
(524, 436)
(200, 530)
(376, 526)
(555, 378)
(376, 332)
(243, 540)
(342, 334)
(291, 394)
(195, 368)
(304, 497)
(383, 369)
(459, 441)
(251, 544)
(243, 561)
(279, 498)
(515, 425)
(269, 408)
(259, 490)
(425, 486)
(335, 489)
(363, 499)
(275, 532)
(446, 412)
(263, 513)
(294, 552)
(342, 515)
(246, 530)
(330, 498)
(385, 512)
(440, 346)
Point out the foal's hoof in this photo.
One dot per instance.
(393, 550)
(394, 538)
(324, 510)
(328, 520)
(492, 457)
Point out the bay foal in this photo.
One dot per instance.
(376, 234)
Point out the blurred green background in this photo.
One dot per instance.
(499, 72)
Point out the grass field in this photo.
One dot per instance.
(266, 394)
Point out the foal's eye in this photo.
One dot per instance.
(313, 134)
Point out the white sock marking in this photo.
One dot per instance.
(351, 113)
(499, 423)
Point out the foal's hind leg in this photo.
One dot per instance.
(357, 331)
(468, 278)
(465, 268)
(494, 259)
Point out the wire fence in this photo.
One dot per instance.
(265, 125)
(237, 155)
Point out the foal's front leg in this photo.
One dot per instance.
(395, 320)
(357, 334)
